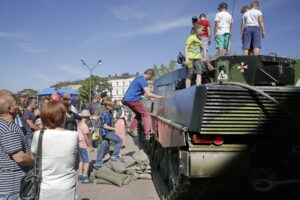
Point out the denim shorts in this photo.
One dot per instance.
(252, 37)
(84, 155)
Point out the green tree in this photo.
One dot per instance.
(98, 85)
(163, 69)
(27, 93)
(172, 65)
(156, 71)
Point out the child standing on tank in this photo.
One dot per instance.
(223, 30)
(205, 36)
(253, 29)
(244, 9)
(193, 59)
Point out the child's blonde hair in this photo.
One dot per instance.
(198, 25)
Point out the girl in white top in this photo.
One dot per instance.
(59, 150)
(253, 18)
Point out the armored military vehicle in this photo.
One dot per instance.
(239, 131)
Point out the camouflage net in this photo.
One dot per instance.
(134, 167)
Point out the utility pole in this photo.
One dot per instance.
(91, 73)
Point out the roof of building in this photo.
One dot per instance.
(109, 77)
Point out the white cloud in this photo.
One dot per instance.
(7, 34)
(161, 27)
(42, 77)
(17, 34)
(125, 13)
(30, 48)
(79, 71)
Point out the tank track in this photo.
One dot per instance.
(179, 186)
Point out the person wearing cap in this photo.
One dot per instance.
(205, 36)
(84, 146)
(194, 21)
(223, 29)
(252, 29)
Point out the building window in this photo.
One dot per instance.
(123, 92)
(123, 83)
(117, 91)
(117, 83)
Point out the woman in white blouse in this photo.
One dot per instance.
(59, 150)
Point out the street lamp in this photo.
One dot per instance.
(91, 71)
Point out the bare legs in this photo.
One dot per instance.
(220, 52)
(254, 52)
(198, 81)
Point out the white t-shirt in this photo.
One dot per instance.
(251, 17)
(224, 20)
(59, 151)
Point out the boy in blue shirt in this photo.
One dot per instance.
(107, 132)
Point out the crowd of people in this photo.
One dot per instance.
(196, 49)
(69, 135)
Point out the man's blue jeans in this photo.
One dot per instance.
(105, 144)
(10, 196)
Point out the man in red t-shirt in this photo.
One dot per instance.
(205, 37)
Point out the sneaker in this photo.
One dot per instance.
(99, 165)
(132, 133)
(116, 159)
(87, 181)
(79, 178)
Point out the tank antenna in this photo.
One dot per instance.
(233, 8)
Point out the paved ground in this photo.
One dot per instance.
(136, 190)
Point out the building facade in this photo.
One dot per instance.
(120, 84)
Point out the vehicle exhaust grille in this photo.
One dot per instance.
(235, 110)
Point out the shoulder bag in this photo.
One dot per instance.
(30, 183)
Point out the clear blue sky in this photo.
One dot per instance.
(41, 41)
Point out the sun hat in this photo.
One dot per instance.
(85, 113)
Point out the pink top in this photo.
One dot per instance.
(82, 130)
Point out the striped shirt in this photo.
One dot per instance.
(12, 140)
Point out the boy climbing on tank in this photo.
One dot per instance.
(193, 59)
(107, 134)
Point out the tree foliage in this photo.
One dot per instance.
(27, 93)
(163, 69)
(98, 85)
